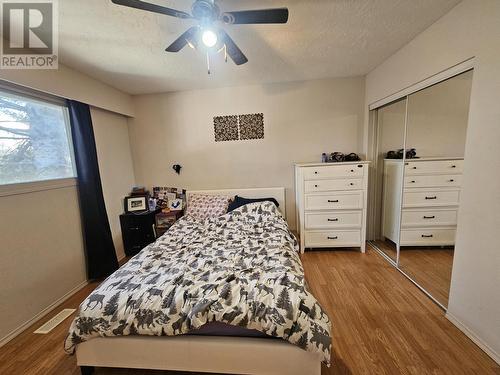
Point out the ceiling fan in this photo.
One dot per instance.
(207, 13)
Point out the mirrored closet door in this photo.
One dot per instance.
(418, 185)
(391, 121)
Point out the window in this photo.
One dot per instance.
(35, 140)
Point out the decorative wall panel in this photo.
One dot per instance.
(226, 128)
(239, 127)
(251, 126)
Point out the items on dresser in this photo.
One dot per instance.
(409, 154)
(431, 195)
(168, 198)
(338, 157)
(152, 203)
(137, 203)
(331, 204)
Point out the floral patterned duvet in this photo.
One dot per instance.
(241, 269)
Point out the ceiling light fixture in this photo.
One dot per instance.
(209, 38)
(205, 18)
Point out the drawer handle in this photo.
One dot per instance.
(434, 197)
(414, 168)
(427, 236)
(452, 180)
(352, 184)
(333, 201)
(412, 181)
(333, 219)
(333, 238)
(352, 170)
(429, 217)
(315, 172)
(134, 228)
(453, 166)
(315, 185)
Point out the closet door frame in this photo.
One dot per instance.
(375, 189)
(405, 93)
(444, 75)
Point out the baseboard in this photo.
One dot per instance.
(471, 335)
(4, 340)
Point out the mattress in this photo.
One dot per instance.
(224, 329)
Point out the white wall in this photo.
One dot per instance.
(41, 253)
(302, 120)
(472, 28)
(71, 84)
(41, 243)
(115, 166)
(438, 117)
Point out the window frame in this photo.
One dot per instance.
(48, 184)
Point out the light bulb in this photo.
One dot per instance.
(209, 38)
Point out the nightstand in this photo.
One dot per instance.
(138, 230)
(164, 220)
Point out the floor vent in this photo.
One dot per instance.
(55, 321)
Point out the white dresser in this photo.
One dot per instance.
(431, 196)
(331, 204)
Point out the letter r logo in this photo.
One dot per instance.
(27, 28)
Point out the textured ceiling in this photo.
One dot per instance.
(323, 38)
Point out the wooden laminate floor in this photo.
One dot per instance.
(430, 267)
(382, 324)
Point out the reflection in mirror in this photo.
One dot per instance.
(390, 139)
(436, 129)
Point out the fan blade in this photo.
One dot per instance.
(138, 4)
(232, 49)
(184, 39)
(278, 15)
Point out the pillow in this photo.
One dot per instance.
(202, 206)
(240, 201)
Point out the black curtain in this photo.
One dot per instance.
(99, 249)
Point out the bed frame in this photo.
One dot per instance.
(215, 354)
(219, 355)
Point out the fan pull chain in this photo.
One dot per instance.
(225, 53)
(208, 63)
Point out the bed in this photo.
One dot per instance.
(241, 270)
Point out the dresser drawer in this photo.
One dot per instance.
(334, 171)
(332, 185)
(427, 237)
(430, 217)
(433, 167)
(334, 201)
(429, 198)
(433, 180)
(334, 219)
(333, 238)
